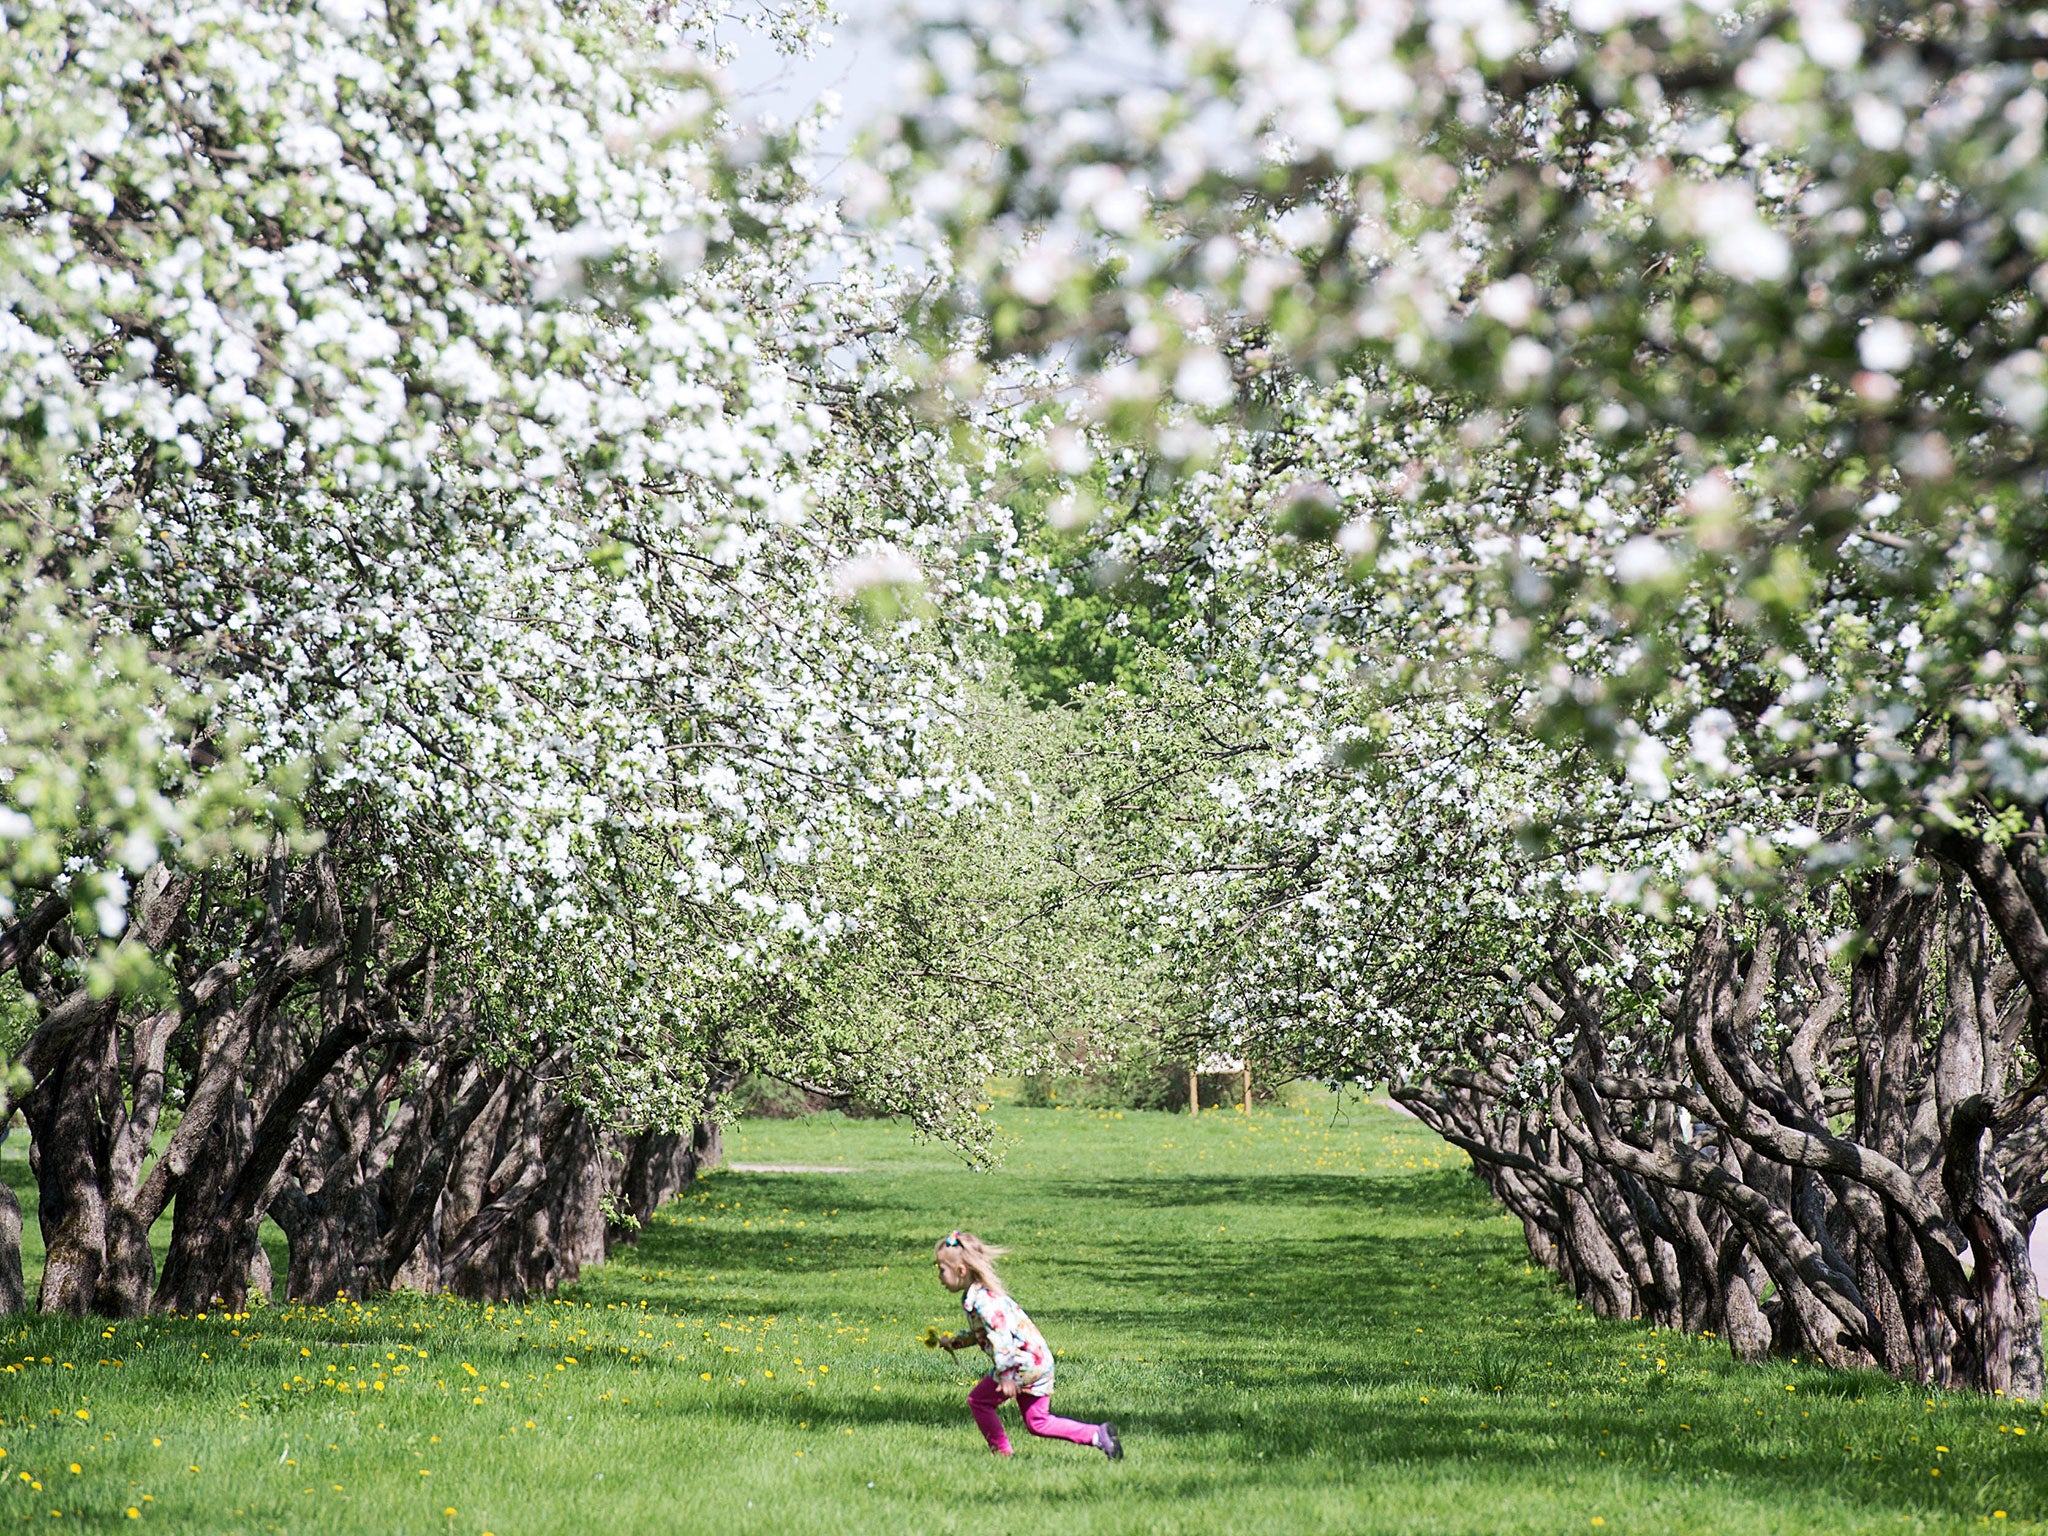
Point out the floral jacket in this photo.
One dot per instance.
(1012, 1340)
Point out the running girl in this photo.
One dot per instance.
(1021, 1362)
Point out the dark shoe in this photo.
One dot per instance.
(1106, 1441)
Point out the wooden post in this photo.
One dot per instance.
(1194, 1092)
(1247, 1085)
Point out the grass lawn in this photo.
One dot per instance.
(1303, 1321)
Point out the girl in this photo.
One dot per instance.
(1022, 1363)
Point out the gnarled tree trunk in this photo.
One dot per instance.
(1806, 1164)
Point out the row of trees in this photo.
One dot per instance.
(393, 1090)
(1591, 456)
(474, 680)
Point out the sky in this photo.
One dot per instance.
(862, 64)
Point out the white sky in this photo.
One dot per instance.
(862, 63)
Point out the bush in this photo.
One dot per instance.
(1138, 1082)
(757, 1096)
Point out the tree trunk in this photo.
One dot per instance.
(13, 1290)
(659, 1165)
(211, 1252)
(67, 1114)
(2004, 1355)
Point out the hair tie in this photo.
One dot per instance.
(950, 1240)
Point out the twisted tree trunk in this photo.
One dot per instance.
(1808, 1166)
(348, 1097)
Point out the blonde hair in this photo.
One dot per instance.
(976, 1257)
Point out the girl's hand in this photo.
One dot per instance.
(1007, 1391)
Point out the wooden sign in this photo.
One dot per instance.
(1220, 1066)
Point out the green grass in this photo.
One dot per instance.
(1301, 1323)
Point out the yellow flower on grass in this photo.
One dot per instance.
(86, 1414)
(449, 1510)
(134, 1513)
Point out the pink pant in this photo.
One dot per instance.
(1038, 1418)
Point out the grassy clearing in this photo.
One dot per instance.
(1301, 1324)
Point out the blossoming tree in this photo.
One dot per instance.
(1639, 717)
(441, 452)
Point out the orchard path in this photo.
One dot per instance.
(1308, 1321)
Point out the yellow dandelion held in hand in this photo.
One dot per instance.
(930, 1337)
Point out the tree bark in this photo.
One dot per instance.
(67, 1114)
(13, 1289)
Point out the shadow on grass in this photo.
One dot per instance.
(682, 1244)
(1515, 1442)
(1424, 1197)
